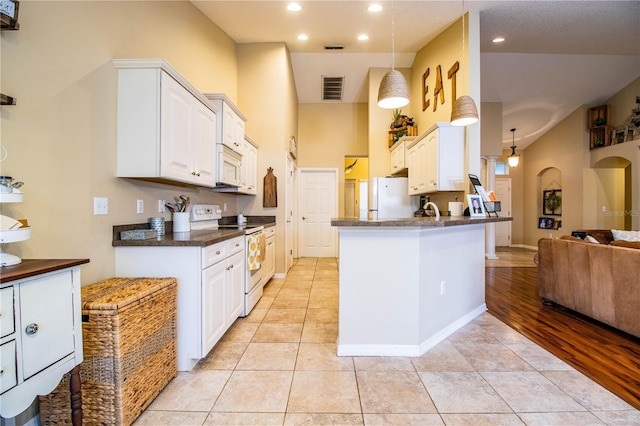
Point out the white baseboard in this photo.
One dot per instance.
(410, 350)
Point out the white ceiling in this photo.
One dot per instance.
(558, 55)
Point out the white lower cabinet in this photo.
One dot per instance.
(269, 263)
(210, 289)
(41, 338)
(222, 300)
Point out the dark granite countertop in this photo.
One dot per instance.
(200, 238)
(417, 222)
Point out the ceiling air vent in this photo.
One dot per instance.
(332, 88)
(333, 47)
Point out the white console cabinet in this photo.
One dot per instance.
(40, 323)
(436, 160)
(166, 128)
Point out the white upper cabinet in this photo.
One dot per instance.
(230, 122)
(436, 160)
(249, 167)
(166, 128)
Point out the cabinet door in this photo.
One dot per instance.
(397, 158)
(213, 306)
(430, 158)
(176, 132)
(417, 168)
(271, 259)
(204, 146)
(235, 286)
(250, 169)
(46, 312)
(231, 124)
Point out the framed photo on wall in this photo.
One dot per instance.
(476, 208)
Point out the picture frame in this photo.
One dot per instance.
(552, 202)
(557, 224)
(476, 207)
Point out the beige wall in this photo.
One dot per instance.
(61, 136)
(329, 132)
(267, 95)
(591, 179)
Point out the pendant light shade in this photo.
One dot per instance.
(514, 158)
(393, 92)
(464, 111)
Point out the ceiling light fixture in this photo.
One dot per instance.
(303, 37)
(393, 91)
(375, 8)
(294, 7)
(464, 111)
(498, 40)
(514, 158)
(363, 37)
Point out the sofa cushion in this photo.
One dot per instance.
(628, 244)
(604, 236)
(591, 239)
(625, 235)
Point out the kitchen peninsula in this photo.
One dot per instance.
(407, 284)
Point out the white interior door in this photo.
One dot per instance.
(290, 208)
(503, 194)
(318, 203)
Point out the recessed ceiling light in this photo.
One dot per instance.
(363, 37)
(374, 8)
(498, 40)
(294, 7)
(303, 37)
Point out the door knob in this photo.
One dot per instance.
(31, 329)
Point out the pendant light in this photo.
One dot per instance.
(393, 92)
(464, 111)
(513, 158)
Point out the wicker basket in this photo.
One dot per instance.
(128, 334)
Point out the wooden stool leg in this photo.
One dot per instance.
(75, 386)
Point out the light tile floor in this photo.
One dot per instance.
(279, 366)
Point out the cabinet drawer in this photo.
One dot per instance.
(7, 316)
(214, 253)
(46, 321)
(236, 245)
(270, 231)
(8, 370)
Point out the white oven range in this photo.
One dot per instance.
(206, 216)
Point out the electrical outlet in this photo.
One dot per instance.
(161, 206)
(100, 206)
(140, 206)
(442, 288)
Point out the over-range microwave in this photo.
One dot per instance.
(229, 166)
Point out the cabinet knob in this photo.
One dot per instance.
(31, 329)
(217, 252)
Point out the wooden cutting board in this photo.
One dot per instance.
(270, 190)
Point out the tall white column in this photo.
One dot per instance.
(490, 240)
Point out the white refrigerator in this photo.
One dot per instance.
(389, 198)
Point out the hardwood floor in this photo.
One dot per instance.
(605, 355)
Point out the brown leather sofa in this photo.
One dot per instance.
(601, 281)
